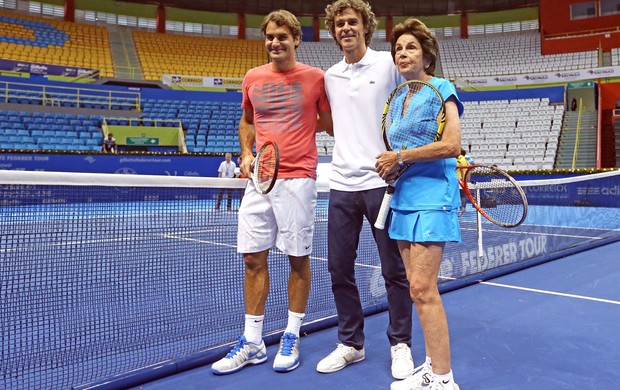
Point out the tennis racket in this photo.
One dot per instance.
(414, 115)
(265, 167)
(494, 194)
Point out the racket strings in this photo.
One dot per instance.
(413, 116)
(265, 168)
(496, 194)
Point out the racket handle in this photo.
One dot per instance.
(384, 210)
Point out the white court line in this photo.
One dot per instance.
(197, 240)
(552, 293)
(68, 243)
(273, 249)
(506, 231)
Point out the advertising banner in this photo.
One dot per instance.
(538, 78)
(46, 69)
(198, 81)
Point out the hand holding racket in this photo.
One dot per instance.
(414, 115)
(265, 167)
(494, 194)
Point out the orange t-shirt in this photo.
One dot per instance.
(285, 106)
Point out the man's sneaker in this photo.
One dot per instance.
(419, 377)
(341, 357)
(242, 353)
(287, 358)
(423, 379)
(402, 362)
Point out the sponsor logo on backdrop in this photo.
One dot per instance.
(510, 79)
(536, 77)
(603, 71)
(39, 69)
(195, 81)
(567, 75)
(232, 82)
(191, 81)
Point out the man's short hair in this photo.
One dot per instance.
(284, 18)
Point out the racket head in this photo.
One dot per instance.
(495, 194)
(414, 115)
(265, 167)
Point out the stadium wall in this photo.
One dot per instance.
(561, 34)
(610, 94)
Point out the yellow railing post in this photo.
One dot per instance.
(576, 151)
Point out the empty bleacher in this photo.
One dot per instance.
(324, 144)
(324, 54)
(209, 126)
(506, 54)
(517, 134)
(196, 56)
(23, 130)
(55, 42)
(615, 56)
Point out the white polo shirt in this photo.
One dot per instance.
(357, 94)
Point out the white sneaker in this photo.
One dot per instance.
(415, 381)
(402, 362)
(243, 353)
(423, 379)
(287, 358)
(340, 357)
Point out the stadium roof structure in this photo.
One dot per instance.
(317, 7)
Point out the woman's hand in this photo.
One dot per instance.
(387, 166)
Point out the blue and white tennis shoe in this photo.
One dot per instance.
(242, 354)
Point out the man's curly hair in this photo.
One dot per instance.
(360, 6)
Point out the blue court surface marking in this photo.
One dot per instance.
(553, 326)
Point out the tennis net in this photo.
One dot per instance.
(111, 280)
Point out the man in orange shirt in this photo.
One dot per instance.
(281, 103)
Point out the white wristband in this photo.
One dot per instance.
(400, 159)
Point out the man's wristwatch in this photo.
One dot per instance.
(400, 159)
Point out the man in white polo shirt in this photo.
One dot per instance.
(226, 169)
(357, 88)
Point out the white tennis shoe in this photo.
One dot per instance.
(242, 354)
(402, 362)
(287, 358)
(423, 379)
(340, 357)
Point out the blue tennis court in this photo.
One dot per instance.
(111, 281)
(553, 326)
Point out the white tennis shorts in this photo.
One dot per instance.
(283, 218)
